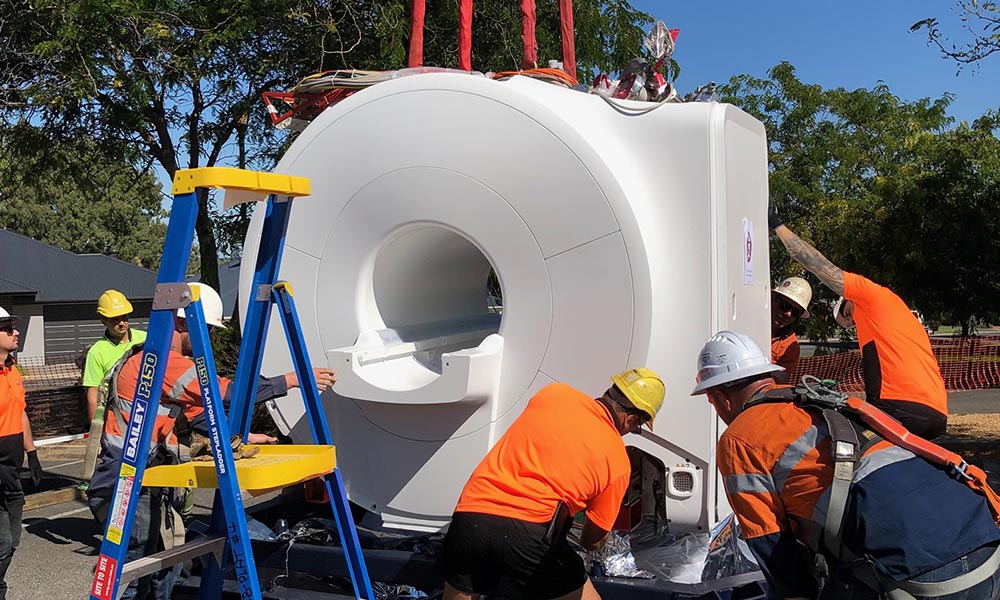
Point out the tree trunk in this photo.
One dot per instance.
(207, 249)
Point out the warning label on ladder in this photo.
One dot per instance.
(119, 509)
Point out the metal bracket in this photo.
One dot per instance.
(171, 296)
(263, 293)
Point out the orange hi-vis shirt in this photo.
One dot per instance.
(785, 351)
(11, 422)
(895, 350)
(180, 389)
(563, 447)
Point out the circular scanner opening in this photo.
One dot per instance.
(435, 292)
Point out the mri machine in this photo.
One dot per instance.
(620, 236)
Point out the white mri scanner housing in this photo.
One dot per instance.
(618, 240)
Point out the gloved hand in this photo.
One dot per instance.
(773, 220)
(35, 467)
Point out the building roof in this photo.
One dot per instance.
(12, 287)
(57, 275)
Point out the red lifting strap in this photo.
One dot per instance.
(568, 37)
(465, 35)
(417, 34)
(529, 52)
(894, 432)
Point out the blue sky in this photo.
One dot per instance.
(851, 44)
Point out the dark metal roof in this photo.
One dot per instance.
(60, 276)
(12, 287)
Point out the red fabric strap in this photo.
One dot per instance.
(465, 35)
(568, 39)
(417, 33)
(529, 53)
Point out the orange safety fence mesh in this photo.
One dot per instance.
(970, 363)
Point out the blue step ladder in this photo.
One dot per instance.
(275, 465)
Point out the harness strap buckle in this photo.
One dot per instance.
(960, 472)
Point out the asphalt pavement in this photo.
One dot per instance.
(60, 542)
(977, 402)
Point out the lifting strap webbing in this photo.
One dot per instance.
(529, 52)
(465, 35)
(419, 8)
(568, 36)
(529, 44)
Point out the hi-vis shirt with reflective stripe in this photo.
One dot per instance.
(181, 394)
(775, 460)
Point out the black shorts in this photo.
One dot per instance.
(481, 549)
(917, 418)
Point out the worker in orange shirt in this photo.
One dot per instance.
(789, 303)
(902, 376)
(832, 517)
(15, 442)
(180, 401)
(563, 454)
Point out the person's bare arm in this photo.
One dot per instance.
(91, 402)
(812, 259)
(593, 537)
(29, 440)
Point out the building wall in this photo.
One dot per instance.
(32, 328)
(69, 327)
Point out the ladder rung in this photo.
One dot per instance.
(167, 558)
(228, 178)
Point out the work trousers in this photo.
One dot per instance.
(11, 509)
(145, 540)
(848, 587)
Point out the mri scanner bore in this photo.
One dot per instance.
(617, 239)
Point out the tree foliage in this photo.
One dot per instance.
(981, 21)
(177, 83)
(885, 188)
(68, 194)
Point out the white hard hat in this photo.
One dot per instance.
(728, 356)
(798, 291)
(6, 316)
(211, 303)
(843, 321)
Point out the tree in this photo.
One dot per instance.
(883, 188)
(68, 195)
(943, 222)
(177, 83)
(981, 19)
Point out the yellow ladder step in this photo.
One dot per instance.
(229, 178)
(274, 467)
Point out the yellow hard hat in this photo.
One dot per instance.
(643, 388)
(113, 303)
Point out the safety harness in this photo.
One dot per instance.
(175, 503)
(855, 426)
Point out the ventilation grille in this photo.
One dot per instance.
(682, 481)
